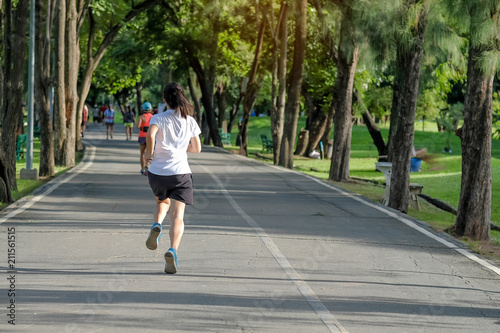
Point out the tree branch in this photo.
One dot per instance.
(326, 35)
(113, 32)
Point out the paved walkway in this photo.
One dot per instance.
(265, 250)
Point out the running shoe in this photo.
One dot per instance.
(171, 261)
(154, 236)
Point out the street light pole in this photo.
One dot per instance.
(29, 172)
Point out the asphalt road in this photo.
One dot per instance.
(265, 250)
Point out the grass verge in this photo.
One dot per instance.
(26, 186)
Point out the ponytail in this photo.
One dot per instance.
(175, 99)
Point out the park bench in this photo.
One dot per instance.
(267, 145)
(225, 137)
(20, 146)
(36, 132)
(415, 188)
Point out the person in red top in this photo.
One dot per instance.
(85, 119)
(143, 126)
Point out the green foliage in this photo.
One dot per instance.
(480, 21)
(496, 115)
(378, 100)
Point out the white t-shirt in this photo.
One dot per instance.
(171, 143)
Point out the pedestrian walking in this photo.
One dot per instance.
(85, 119)
(143, 125)
(128, 121)
(171, 135)
(95, 114)
(109, 119)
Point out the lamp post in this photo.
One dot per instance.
(29, 172)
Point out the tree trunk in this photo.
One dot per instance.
(293, 103)
(280, 49)
(234, 113)
(138, 94)
(60, 100)
(395, 108)
(316, 124)
(206, 86)
(372, 127)
(16, 25)
(196, 102)
(221, 104)
(253, 85)
(329, 123)
(44, 18)
(71, 81)
(1, 67)
(474, 208)
(408, 64)
(302, 142)
(348, 55)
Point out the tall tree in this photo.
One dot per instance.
(348, 56)
(293, 102)
(474, 208)
(94, 53)
(279, 34)
(15, 29)
(1, 62)
(44, 19)
(410, 47)
(72, 60)
(254, 80)
(60, 93)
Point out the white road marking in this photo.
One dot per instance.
(321, 310)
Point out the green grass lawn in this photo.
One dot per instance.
(26, 186)
(441, 178)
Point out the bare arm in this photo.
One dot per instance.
(194, 145)
(150, 143)
(139, 122)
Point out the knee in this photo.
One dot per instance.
(166, 201)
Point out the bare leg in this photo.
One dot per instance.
(143, 161)
(176, 223)
(161, 210)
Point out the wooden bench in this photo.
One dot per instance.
(225, 137)
(267, 145)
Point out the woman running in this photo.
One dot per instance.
(143, 125)
(171, 135)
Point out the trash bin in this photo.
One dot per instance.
(415, 165)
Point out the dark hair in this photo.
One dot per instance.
(175, 99)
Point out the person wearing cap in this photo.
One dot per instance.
(143, 126)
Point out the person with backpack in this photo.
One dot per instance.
(171, 135)
(143, 126)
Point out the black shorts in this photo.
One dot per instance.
(177, 187)
(142, 140)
